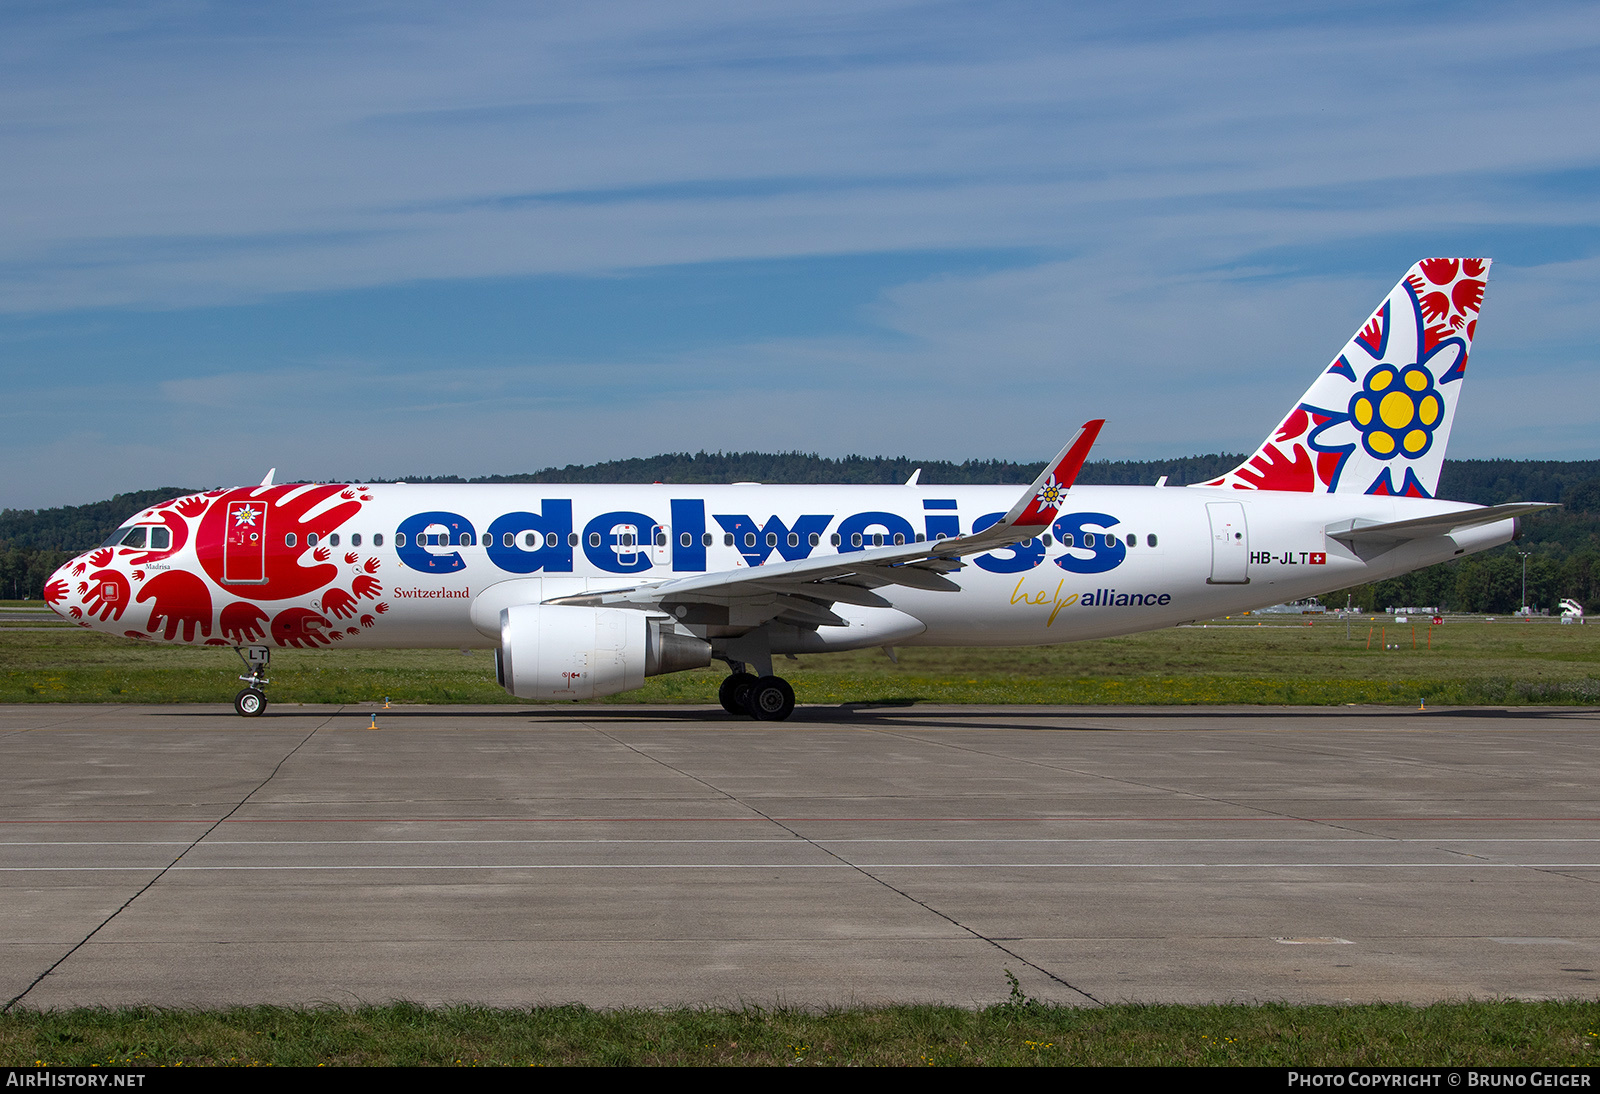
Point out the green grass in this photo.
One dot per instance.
(1018, 1032)
(1280, 661)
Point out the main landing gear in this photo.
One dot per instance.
(766, 698)
(253, 700)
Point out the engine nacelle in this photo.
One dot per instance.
(553, 651)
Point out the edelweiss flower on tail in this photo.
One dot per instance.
(1376, 422)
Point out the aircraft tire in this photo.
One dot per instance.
(771, 699)
(734, 690)
(250, 702)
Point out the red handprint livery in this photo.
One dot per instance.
(106, 595)
(245, 551)
(300, 627)
(180, 600)
(337, 602)
(243, 623)
(283, 562)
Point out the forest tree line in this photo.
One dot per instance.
(1562, 546)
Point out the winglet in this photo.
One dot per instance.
(268, 480)
(1037, 508)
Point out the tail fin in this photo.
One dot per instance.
(1376, 422)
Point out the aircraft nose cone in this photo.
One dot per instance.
(58, 591)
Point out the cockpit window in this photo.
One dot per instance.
(154, 538)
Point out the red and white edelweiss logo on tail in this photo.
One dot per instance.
(1377, 420)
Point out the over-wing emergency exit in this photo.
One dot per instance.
(585, 591)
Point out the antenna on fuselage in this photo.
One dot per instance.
(268, 480)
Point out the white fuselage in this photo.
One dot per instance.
(397, 565)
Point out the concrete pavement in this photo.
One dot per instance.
(624, 855)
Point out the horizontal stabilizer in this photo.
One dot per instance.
(1367, 540)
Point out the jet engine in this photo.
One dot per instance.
(554, 651)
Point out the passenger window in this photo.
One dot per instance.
(815, 539)
(661, 539)
(1046, 539)
(551, 539)
(686, 539)
(855, 539)
(834, 539)
(899, 539)
(466, 539)
(288, 540)
(1150, 540)
(572, 539)
(749, 539)
(772, 539)
(706, 540)
(399, 539)
(311, 539)
(794, 539)
(1133, 541)
(1088, 539)
(355, 540)
(377, 541)
(1067, 541)
(594, 539)
(333, 540)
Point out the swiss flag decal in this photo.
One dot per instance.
(1319, 558)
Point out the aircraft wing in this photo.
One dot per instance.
(1368, 540)
(804, 590)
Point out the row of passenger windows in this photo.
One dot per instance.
(627, 539)
(160, 539)
(332, 539)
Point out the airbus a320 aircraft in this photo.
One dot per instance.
(584, 591)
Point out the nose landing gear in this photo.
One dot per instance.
(253, 700)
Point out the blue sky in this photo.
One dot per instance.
(365, 240)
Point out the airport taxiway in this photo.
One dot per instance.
(626, 855)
